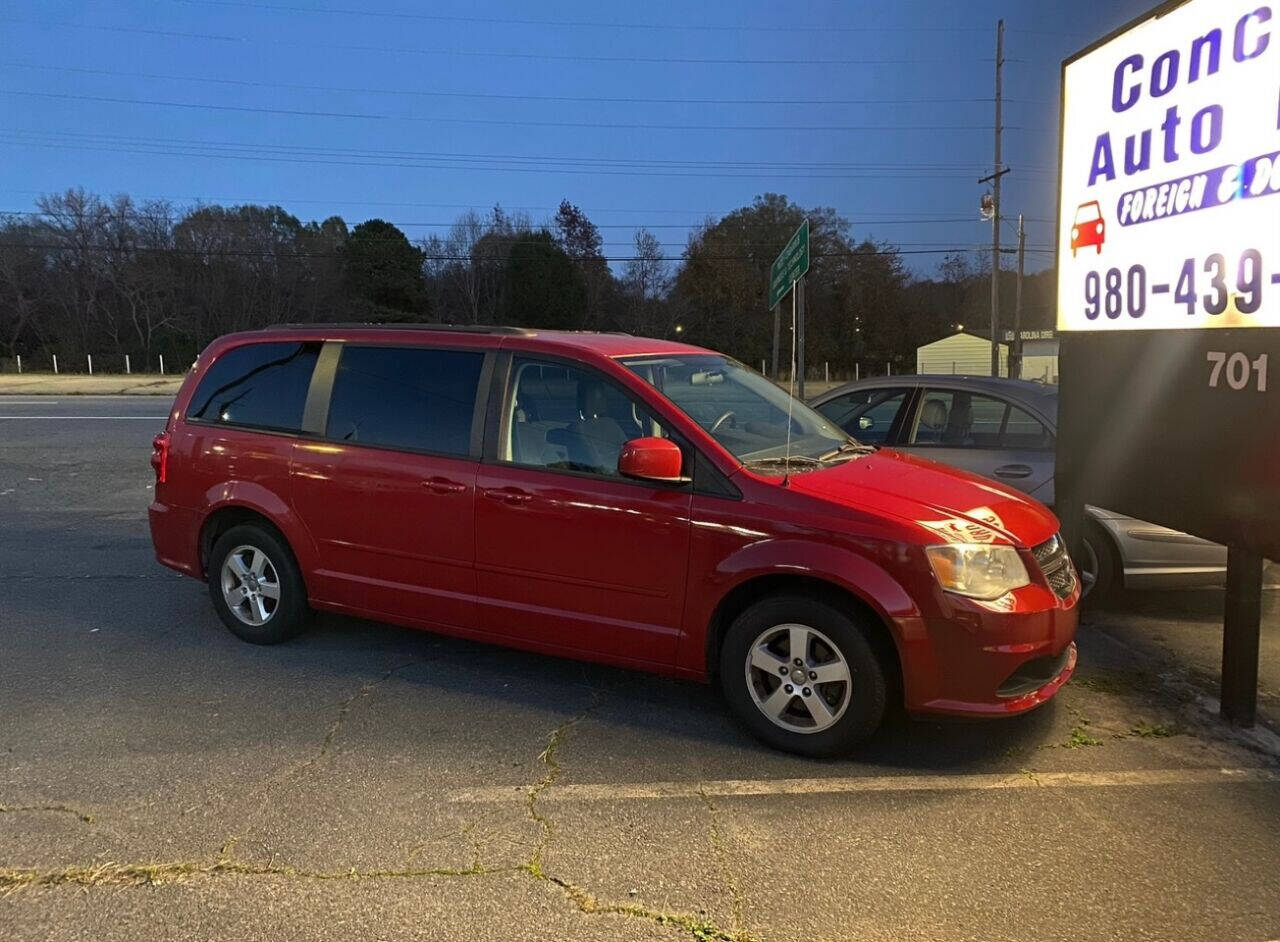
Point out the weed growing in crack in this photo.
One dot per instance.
(52, 809)
(1146, 730)
(722, 860)
(1079, 738)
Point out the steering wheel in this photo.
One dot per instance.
(720, 421)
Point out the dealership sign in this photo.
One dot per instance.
(1169, 200)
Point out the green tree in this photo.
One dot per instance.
(383, 269)
(544, 288)
(723, 283)
(581, 242)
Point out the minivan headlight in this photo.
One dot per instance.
(977, 570)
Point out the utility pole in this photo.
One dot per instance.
(775, 375)
(1015, 351)
(799, 338)
(997, 173)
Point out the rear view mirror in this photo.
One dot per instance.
(651, 459)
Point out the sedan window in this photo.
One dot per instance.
(866, 414)
(961, 419)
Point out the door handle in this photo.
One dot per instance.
(508, 495)
(1013, 471)
(438, 485)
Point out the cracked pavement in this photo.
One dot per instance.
(160, 779)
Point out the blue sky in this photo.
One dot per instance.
(655, 114)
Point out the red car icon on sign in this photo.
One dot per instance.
(1089, 228)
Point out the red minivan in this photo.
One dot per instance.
(635, 502)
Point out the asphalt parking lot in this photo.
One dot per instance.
(161, 780)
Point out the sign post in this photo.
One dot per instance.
(787, 274)
(1169, 293)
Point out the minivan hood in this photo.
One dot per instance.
(958, 506)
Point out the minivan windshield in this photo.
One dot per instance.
(743, 411)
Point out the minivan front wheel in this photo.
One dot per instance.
(256, 586)
(802, 676)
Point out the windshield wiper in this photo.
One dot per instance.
(783, 461)
(848, 448)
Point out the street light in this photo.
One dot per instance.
(679, 328)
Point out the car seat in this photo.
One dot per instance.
(933, 420)
(595, 442)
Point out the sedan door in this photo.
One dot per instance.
(570, 555)
(985, 434)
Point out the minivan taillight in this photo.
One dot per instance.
(160, 456)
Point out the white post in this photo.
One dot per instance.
(762, 372)
(19, 362)
(826, 367)
(89, 357)
(857, 371)
(162, 364)
(55, 364)
(888, 369)
(126, 364)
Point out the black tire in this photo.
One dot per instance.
(1101, 552)
(864, 697)
(288, 613)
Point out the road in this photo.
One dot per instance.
(161, 780)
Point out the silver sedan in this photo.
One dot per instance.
(1006, 429)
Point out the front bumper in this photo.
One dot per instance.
(991, 658)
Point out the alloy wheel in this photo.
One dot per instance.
(250, 585)
(798, 678)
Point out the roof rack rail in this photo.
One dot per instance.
(458, 328)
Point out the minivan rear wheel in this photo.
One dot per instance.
(802, 676)
(256, 586)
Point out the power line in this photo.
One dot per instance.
(419, 93)
(468, 53)
(257, 253)
(240, 200)
(106, 214)
(162, 151)
(586, 24)
(504, 122)
(897, 168)
(140, 214)
(508, 164)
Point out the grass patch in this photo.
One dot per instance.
(1147, 730)
(1079, 738)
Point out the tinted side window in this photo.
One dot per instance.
(405, 397)
(1025, 431)
(259, 385)
(866, 414)
(959, 419)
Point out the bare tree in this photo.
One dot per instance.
(645, 281)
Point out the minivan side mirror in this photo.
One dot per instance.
(866, 422)
(651, 459)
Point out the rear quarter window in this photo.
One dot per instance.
(258, 385)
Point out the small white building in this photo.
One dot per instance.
(1039, 355)
(962, 354)
(969, 354)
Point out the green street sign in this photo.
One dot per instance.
(790, 265)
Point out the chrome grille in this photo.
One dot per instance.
(1051, 555)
